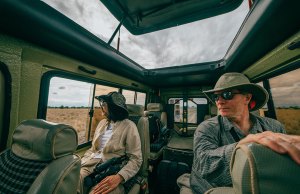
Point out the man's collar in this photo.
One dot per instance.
(228, 125)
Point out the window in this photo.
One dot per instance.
(69, 102)
(129, 95)
(194, 107)
(72, 102)
(133, 97)
(285, 93)
(140, 98)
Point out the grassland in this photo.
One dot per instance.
(79, 119)
(290, 118)
(76, 117)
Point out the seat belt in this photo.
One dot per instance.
(233, 132)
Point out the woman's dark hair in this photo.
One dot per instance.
(116, 113)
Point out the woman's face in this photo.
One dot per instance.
(104, 108)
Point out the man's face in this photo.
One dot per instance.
(232, 103)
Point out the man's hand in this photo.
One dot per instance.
(108, 184)
(278, 142)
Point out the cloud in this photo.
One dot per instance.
(195, 42)
(69, 92)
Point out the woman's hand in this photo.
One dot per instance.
(108, 184)
(278, 142)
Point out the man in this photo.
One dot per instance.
(216, 138)
(115, 136)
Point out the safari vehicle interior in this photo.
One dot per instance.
(56, 56)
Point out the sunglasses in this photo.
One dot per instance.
(102, 103)
(227, 95)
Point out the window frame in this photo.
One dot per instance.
(187, 98)
(45, 86)
(6, 106)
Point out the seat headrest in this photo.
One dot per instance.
(257, 169)
(155, 107)
(40, 140)
(213, 110)
(135, 109)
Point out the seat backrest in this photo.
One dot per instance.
(41, 159)
(157, 110)
(265, 170)
(257, 169)
(136, 114)
(158, 131)
(213, 111)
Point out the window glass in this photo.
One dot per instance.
(192, 108)
(140, 98)
(285, 91)
(72, 102)
(69, 103)
(129, 95)
(178, 109)
(209, 38)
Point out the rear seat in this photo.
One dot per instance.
(156, 109)
(213, 112)
(136, 114)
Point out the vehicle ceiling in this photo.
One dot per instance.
(267, 25)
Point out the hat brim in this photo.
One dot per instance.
(107, 99)
(102, 97)
(259, 94)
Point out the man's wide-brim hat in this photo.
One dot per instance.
(239, 81)
(114, 98)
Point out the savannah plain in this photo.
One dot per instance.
(79, 119)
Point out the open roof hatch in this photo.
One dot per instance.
(140, 17)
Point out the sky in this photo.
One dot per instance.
(203, 41)
(195, 42)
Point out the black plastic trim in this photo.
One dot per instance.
(7, 105)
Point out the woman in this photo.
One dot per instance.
(115, 136)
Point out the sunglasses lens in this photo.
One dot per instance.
(227, 95)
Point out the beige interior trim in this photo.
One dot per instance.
(277, 59)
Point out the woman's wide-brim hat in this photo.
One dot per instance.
(240, 81)
(115, 98)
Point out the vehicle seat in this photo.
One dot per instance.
(136, 114)
(41, 159)
(156, 109)
(257, 169)
(213, 112)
